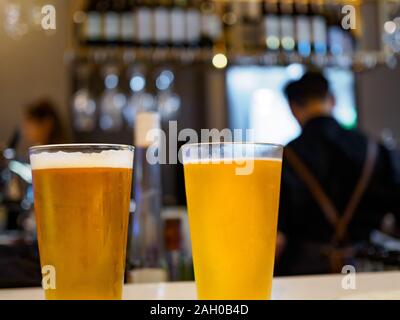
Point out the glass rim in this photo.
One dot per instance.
(104, 146)
(261, 144)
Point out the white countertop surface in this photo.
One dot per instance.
(368, 286)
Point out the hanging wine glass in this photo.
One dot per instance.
(83, 103)
(112, 101)
(137, 84)
(168, 102)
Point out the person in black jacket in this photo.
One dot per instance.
(330, 171)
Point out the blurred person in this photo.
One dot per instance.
(42, 125)
(19, 261)
(337, 185)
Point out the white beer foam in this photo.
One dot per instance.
(65, 160)
(228, 160)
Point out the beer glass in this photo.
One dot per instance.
(82, 199)
(232, 192)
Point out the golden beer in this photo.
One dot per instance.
(233, 225)
(82, 210)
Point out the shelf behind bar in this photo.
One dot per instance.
(359, 61)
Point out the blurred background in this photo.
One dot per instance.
(203, 63)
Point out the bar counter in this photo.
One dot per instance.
(374, 286)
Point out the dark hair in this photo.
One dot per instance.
(311, 86)
(44, 110)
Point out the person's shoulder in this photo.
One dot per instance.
(295, 143)
(356, 134)
(351, 138)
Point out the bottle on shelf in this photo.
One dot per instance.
(103, 7)
(145, 24)
(232, 27)
(271, 25)
(146, 248)
(178, 23)
(161, 36)
(319, 28)
(303, 28)
(211, 24)
(173, 251)
(287, 27)
(84, 109)
(177, 245)
(128, 24)
(251, 16)
(92, 27)
(112, 22)
(335, 34)
(193, 24)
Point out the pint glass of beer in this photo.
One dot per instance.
(232, 191)
(82, 199)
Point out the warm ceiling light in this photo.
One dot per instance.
(220, 61)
